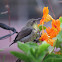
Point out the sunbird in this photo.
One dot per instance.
(27, 33)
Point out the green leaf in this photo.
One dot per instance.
(36, 52)
(59, 36)
(41, 56)
(36, 57)
(21, 56)
(43, 47)
(42, 50)
(24, 47)
(61, 25)
(60, 19)
(40, 27)
(57, 43)
(32, 51)
(52, 56)
(53, 60)
(32, 44)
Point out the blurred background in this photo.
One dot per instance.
(16, 13)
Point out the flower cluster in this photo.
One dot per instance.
(50, 32)
(46, 17)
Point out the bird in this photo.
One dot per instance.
(28, 32)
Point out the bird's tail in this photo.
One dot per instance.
(11, 44)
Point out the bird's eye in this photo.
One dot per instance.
(34, 21)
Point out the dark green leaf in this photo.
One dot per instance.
(21, 56)
(58, 43)
(36, 52)
(32, 51)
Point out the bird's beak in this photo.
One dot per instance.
(38, 19)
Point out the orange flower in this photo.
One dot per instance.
(52, 32)
(44, 37)
(50, 41)
(46, 17)
(45, 12)
(42, 20)
(56, 24)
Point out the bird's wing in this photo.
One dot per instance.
(23, 33)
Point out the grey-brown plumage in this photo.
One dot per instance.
(27, 33)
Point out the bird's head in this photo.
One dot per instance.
(33, 23)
